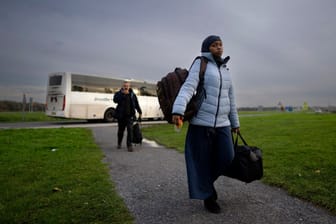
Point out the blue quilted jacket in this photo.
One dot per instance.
(219, 107)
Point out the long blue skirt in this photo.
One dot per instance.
(208, 152)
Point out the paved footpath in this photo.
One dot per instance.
(152, 181)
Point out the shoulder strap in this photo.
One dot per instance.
(204, 62)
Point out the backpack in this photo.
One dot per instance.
(169, 87)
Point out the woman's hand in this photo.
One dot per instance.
(235, 130)
(176, 119)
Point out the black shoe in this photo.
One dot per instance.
(119, 147)
(214, 195)
(130, 148)
(211, 205)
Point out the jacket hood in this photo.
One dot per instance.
(210, 57)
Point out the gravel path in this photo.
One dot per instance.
(152, 181)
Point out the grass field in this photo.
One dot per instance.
(299, 151)
(56, 176)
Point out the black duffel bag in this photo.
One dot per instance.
(247, 164)
(136, 133)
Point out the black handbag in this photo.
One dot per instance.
(247, 164)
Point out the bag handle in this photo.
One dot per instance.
(238, 135)
(241, 137)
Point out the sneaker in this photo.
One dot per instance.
(211, 205)
(130, 148)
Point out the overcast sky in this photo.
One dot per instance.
(280, 50)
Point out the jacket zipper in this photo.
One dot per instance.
(219, 95)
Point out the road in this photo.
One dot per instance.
(64, 124)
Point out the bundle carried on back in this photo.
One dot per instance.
(169, 87)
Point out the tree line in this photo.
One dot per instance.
(12, 106)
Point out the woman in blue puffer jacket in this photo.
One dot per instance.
(208, 147)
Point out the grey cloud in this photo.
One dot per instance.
(279, 49)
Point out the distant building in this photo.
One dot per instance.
(289, 108)
(305, 106)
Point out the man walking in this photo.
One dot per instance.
(125, 112)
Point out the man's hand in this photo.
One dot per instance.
(124, 90)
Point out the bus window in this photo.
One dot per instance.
(81, 83)
(55, 80)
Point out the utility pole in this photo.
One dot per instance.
(24, 102)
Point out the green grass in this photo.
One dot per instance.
(25, 117)
(299, 151)
(56, 176)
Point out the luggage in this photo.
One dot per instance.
(247, 164)
(169, 86)
(136, 133)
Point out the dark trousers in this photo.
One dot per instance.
(122, 124)
(208, 153)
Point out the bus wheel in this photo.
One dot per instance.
(109, 115)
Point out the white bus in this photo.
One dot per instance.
(71, 95)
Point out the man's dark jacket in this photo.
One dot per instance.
(120, 99)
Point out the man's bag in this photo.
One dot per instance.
(247, 164)
(169, 87)
(136, 133)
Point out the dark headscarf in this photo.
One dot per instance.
(208, 41)
(205, 48)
